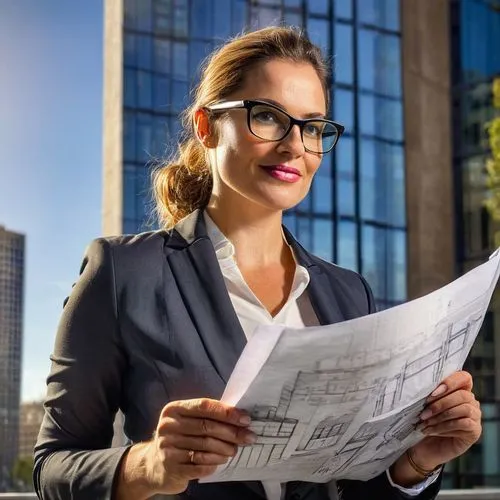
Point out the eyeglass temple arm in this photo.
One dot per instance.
(222, 106)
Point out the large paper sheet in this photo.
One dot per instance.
(342, 401)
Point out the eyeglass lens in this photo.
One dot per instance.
(270, 124)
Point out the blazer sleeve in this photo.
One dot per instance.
(380, 487)
(72, 455)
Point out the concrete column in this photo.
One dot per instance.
(427, 109)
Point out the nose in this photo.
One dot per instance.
(292, 142)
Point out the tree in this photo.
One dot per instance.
(22, 473)
(493, 163)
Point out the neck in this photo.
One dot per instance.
(255, 232)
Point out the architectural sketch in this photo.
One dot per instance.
(343, 401)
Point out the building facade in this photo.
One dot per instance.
(30, 420)
(355, 214)
(475, 28)
(11, 327)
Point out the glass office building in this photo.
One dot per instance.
(355, 213)
(475, 28)
(11, 319)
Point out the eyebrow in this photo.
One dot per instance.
(307, 115)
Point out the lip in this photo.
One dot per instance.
(283, 168)
(282, 173)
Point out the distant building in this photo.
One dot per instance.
(11, 328)
(30, 420)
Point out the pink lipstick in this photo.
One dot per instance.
(283, 172)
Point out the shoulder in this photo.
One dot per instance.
(128, 254)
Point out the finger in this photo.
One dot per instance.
(207, 408)
(205, 427)
(173, 458)
(466, 425)
(202, 443)
(457, 380)
(456, 398)
(195, 471)
(460, 411)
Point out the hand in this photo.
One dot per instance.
(451, 422)
(192, 438)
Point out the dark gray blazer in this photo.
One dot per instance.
(150, 321)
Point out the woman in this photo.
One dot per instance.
(156, 322)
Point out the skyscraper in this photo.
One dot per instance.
(11, 324)
(475, 28)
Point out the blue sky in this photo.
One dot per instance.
(50, 155)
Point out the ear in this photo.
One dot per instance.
(202, 127)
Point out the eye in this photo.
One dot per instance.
(267, 117)
(313, 129)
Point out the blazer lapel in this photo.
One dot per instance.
(200, 281)
(322, 294)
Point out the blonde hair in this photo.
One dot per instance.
(184, 184)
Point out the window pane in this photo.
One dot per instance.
(160, 135)
(304, 230)
(373, 259)
(323, 239)
(240, 14)
(343, 104)
(346, 196)
(129, 195)
(162, 17)
(343, 8)
(222, 19)
(347, 253)
(325, 167)
(129, 13)
(379, 62)
(144, 52)
(144, 15)
(180, 96)
(144, 138)
(396, 257)
(180, 18)
(129, 84)
(305, 204)
(318, 32)
(129, 54)
(292, 19)
(343, 53)
(382, 13)
(289, 221)
(381, 117)
(345, 157)
(180, 67)
(144, 87)
(395, 184)
(161, 94)
(129, 136)
(372, 184)
(293, 3)
(322, 190)
(201, 18)
(162, 56)
(318, 6)
(262, 17)
(197, 53)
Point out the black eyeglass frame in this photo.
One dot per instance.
(248, 104)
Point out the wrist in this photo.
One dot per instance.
(407, 471)
(134, 476)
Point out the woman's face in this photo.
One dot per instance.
(247, 169)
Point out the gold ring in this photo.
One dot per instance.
(191, 456)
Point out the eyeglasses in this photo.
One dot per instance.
(271, 123)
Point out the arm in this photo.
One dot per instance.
(72, 455)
